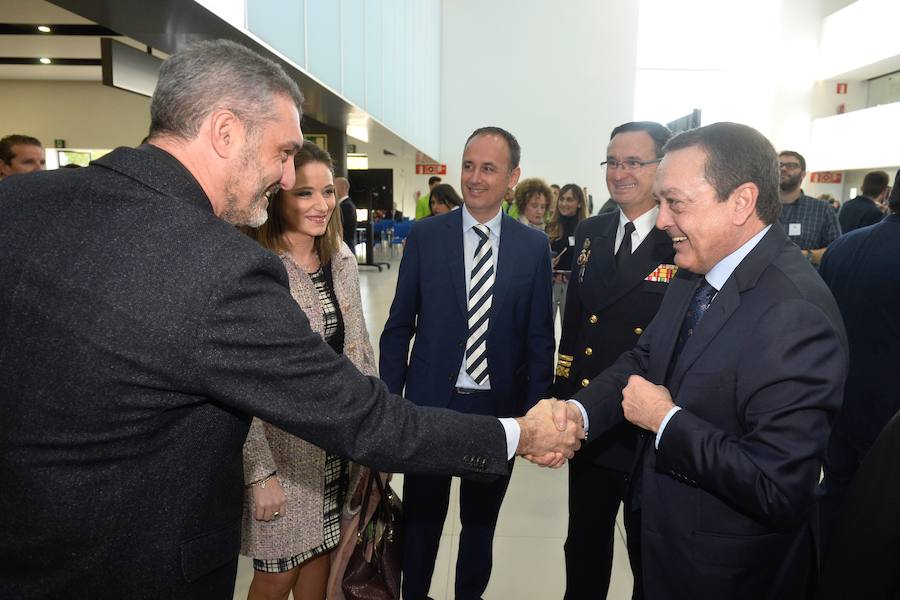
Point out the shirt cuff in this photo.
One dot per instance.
(584, 416)
(662, 425)
(513, 432)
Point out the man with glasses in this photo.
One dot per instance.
(809, 223)
(619, 275)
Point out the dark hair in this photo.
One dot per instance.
(894, 200)
(555, 228)
(874, 183)
(736, 154)
(271, 233)
(7, 143)
(660, 134)
(217, 74)
(515, 152)
(446, 195)
(434, 179)
(555, 186)
(528, 189)
(796, 155)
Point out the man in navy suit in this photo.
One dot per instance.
(735, 383)
(864, 210)
(474, 288)
(863, 273)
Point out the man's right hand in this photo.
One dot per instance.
(550, 433)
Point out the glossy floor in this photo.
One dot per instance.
(528, 546)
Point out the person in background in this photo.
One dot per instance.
(295, 490)
(347, 210)
(20, 154)
(532, 199)
(423, 202)
(865, 209)
(862, 271)
(509, 204)
(810, 224)
(444, 199)
(570, 211)
(551, 208)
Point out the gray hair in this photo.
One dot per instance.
(213, 75)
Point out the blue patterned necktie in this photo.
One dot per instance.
(703, 297)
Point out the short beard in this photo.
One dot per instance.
(791, 184)
(254, 214)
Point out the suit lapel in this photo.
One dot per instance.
(642, 262)
(455, 251)
(725, 302)
(509, 242)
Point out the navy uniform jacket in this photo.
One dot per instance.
(727, 498)
(139, 334)
(431, 304)
(606, 313)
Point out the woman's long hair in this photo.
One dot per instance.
(555, 229)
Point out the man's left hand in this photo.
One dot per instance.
(645, 404)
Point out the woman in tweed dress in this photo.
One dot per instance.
(296, 491)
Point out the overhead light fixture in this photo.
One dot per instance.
(44, 60)
(43, 29)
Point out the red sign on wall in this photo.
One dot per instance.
(841, 88)
(826, 177)
(434, 169)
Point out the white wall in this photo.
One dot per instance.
(84, 114)
(558, 75)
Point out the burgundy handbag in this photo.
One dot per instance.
(373, 570)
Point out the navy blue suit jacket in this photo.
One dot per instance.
(859, 212)
(727, 497)
(862, 272)
(430, 304)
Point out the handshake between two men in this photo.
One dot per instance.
(552, 431)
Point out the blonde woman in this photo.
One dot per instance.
(296, 491)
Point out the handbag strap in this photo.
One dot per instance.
(364, 509)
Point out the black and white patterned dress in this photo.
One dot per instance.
(336, 468)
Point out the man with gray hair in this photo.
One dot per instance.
(141, 331)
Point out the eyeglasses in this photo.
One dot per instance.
(790, 166)
(628, 165)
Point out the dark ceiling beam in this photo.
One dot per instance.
(61, 29)
(21, 60)
(170, 25)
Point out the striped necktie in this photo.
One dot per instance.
(480, 293)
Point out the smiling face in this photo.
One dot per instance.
(631, 189)
(702, 228)
(486, 175)
(568, 204)
(263, 166)
(307, 207)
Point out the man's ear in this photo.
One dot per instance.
(226, 132)
(744, 197)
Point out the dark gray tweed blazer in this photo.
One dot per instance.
(138, 334)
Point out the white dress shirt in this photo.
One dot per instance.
(643, 225)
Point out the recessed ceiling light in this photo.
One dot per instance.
(43, 29)
(45, 61)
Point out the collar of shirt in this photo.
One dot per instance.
(468, 221)
(643, 225)
(344, 198)
(723, 269)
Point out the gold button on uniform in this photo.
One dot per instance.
(585, 382)
(588, 351)
(638, 330)
(593, 319)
